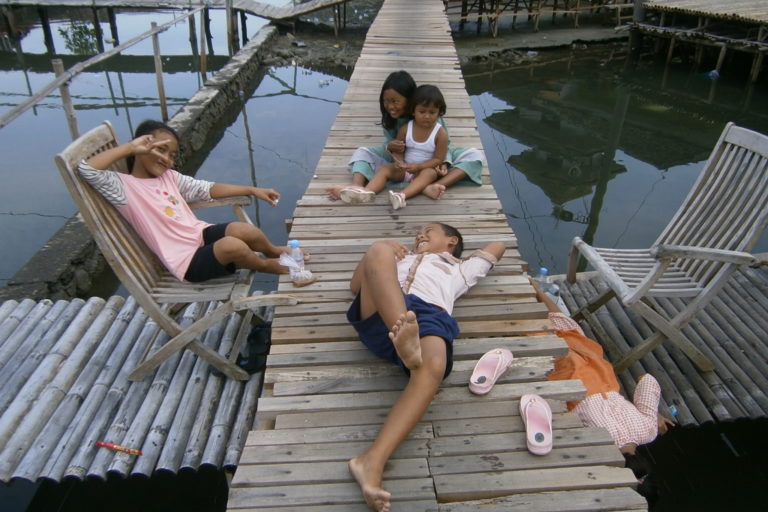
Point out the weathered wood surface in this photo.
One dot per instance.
(325, 396)
(755, 11)
(732, 331)
(64, 370)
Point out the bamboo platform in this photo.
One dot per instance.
(325, 396)
(732, 331)
(64, 374)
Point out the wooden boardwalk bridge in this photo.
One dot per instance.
(325, 396)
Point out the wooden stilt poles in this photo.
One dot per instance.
(159, 74)
(66, 99)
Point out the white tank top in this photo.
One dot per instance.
(417, 152)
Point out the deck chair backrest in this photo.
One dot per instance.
(727, 208)
(134, 264)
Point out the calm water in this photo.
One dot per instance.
(576, 146)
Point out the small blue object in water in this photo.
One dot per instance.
(713, 75)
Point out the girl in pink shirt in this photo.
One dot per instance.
(153, 199)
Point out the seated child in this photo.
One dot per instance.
(153, 199)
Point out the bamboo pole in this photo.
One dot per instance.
(171, 425)
(159, 73)
(149, 403)
(20, 424)
(73, 439)
(84, 366)
(66, 99)
(22, 332)
(22, 370)
(6, 308)
(202, 42)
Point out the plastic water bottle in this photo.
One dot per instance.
(297, 256)
(546, 284)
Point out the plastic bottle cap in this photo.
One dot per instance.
(293, 243)
(543, 271)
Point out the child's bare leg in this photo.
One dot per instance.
(380, 293)
(238, 247)
(383, 174)
(437, 189)
(358, 180)
(407, 411)
(419, 182)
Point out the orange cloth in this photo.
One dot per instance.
(584, 361)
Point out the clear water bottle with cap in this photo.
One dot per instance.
(546, 284)
(297, 256)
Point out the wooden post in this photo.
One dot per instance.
(113, 25)
(159, 74)
(47, 35)
(244, 26)
(203, 56)
(207, 26)
(97, 28)
(66, 99)
(757, 64)
(231, 29)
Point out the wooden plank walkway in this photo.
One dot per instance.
(325, 396)
(732, 331)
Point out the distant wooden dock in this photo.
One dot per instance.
(325, 396)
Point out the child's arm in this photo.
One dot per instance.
(396, 147)
(496, 249)
(138, 146)
(219, 190)
(399, 251)
(441, 149)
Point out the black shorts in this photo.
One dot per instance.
(204, 264)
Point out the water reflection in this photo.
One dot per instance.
(578, 146)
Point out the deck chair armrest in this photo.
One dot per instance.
(224, 201)
(761, 260)
(236, 202)
(663, 251)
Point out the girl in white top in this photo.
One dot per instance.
(426, 144)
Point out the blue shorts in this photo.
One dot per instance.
(433, 321)
(204, 264)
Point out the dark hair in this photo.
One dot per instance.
(429, 95)
(404, 84)
(642, 469)
(452, 231)
(148, 127)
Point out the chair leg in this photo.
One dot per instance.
(573, 262)
(188, 338)
(593, 306)
(669, 330)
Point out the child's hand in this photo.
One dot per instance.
(396, 146)
(147, 144)
(441, 170)
(269, 195)
(398, 249)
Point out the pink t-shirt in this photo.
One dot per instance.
(161, 217)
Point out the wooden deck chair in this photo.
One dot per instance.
(711, 234)
(143, 275)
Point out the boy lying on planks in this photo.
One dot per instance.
(410, 325)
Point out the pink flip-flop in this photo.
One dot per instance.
(537, 418)
(488, 370)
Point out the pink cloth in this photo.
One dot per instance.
(161, 217)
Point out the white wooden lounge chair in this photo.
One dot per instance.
(145, 278)
(711, 234)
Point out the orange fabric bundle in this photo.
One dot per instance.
(584, 361)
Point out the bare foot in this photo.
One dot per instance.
(434, 190)
(334, 191)
(369, 481)
(405, 336)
